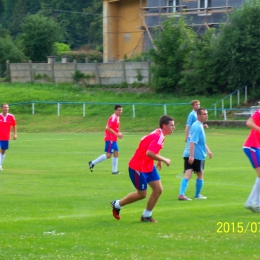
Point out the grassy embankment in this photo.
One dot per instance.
(71, 117)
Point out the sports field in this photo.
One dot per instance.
(53, 207)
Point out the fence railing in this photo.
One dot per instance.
(58, 105)
(229, 98)
(33, 107)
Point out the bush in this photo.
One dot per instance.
(80, 56)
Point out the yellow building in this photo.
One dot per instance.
(128, 25)
(122, 34)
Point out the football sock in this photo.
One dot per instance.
(117, 205)
(252, 199)
(199, 185)
(2, 158)
(114, 164)
(257, 191)
(184, 185)
(147, 213)
(101, 158)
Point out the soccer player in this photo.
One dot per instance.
(6, 122)
(142, 170)
(192, 117)
(194, 156)
(111, 135)
(251, 148)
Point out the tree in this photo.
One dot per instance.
(38, 37)
(94, 22)
(173, 47)
(9, 51)
(197, 76)
(238, 48)
(19, 12)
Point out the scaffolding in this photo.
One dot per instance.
(205, 11)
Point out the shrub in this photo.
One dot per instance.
(80, 56)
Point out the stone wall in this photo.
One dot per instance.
(100, 73)
(232, 123)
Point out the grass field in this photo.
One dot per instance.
(53, 207)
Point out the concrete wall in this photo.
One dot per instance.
(101, 73)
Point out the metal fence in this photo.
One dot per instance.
(89, 108)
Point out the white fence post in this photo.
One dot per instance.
(225, 114)
(230, 102)
(133, 107)
(33, 111)
(238, 97)
(84, 110)
(165, 110)
(58, 108)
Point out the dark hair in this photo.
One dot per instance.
(164, 120)
(117, 106)
(199, 111)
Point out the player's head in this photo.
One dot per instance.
(166, 123)
(202, 114)
(5, 108)
(118, 109)
(195, 104)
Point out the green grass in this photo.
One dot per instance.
(52, 207)
(71, 115)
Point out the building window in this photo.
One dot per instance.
(172, 6)
(204, 3)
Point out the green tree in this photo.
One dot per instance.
(1, 10)
(77, 19)
(38, 37)
(94, 22)
(9, 51)
(19, 12)
(237, 52)
(197, 76)
(172, 49)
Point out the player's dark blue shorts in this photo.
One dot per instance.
(253, 155)
(140, 179)
(111, 146)
(4, 145)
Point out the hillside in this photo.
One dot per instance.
(148, 107)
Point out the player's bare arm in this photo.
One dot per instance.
(187, 133)
(191, 158)
(209, 152)
(158, 157)
(251, 124)
(15, 132)
(119, 135)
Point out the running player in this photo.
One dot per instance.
(142, 170)
(251, 148)
(111, 135)
(7, 121)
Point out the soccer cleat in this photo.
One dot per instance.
(148, 219)
(116, 172)
(115, 211)
(182, 197)
(200, 197)
(1, 168)
(253, 208)
(91, 166)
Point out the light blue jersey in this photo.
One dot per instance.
(192, 117)
(196, 136)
